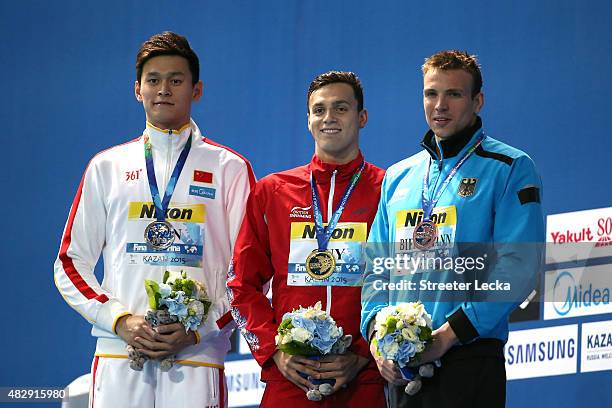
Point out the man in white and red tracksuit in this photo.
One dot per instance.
(205, 187)
(279, 232)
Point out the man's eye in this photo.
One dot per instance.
(152, 80)
(177, 81)
(318, 111)
(341, 109)
(455, 94)
(430, 94)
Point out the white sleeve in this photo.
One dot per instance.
(80, 248)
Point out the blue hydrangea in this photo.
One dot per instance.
(175, 305)
(388, 347)
(192, 323)
(325, 337)
(307, 324)
(407, 350)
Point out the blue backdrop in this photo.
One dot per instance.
(67, 72)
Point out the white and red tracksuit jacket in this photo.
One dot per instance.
(279, 212)
(110, 212)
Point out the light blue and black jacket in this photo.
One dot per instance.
(502, 206)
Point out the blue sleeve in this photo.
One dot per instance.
(518, 237)
(373, 297)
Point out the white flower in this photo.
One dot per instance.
(164, 290)
(301, 335)
(409, 333)
(314, 312)
(381, 316)
(173, 276)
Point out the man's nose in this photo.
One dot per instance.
(329, 116)
(164, 89)
(441, 104)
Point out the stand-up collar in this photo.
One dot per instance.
(323, 171)
(451, 146)
(164, 138)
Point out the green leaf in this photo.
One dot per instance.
(188, 286)
(425, 333)
(296, 348)
(285, 326)
(153, 294)
(391, 324)
(375, 344)
(166, 276)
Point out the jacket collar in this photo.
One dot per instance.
(323, 171)
(170, 138)
(451, 146)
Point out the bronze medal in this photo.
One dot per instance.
(425, 235)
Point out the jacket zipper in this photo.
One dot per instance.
(440, 158)
(330, 209)
(168, 160)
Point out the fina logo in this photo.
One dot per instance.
(575, 295)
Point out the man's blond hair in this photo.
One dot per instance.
(454, 59)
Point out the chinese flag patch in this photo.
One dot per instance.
(202, 176)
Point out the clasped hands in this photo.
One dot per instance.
(444, 339)
(156, 343)
(341, 367)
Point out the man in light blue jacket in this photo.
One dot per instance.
(469, 205)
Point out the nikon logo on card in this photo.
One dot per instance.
(184, 213)
(345, 231)
(441, 216)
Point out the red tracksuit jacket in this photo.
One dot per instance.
(279, 213)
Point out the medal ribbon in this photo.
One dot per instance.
(325, 233)
(162, 206)
(429, 205)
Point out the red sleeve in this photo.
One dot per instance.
(248, 278)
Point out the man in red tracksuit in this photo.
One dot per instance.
(279, 232)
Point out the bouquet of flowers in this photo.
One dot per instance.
(402, 333)
(311, 332)
(176, 299)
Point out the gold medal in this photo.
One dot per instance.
(320, 264)
(425, 235)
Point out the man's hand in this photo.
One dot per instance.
(444, 339)
(168, 340)
(341, 367)
(132, 326)
(387, 368)
(289, 366)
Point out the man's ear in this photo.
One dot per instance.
(137, 91)
(363, 118)
(198, 90)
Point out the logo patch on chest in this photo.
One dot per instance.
(467, 187)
